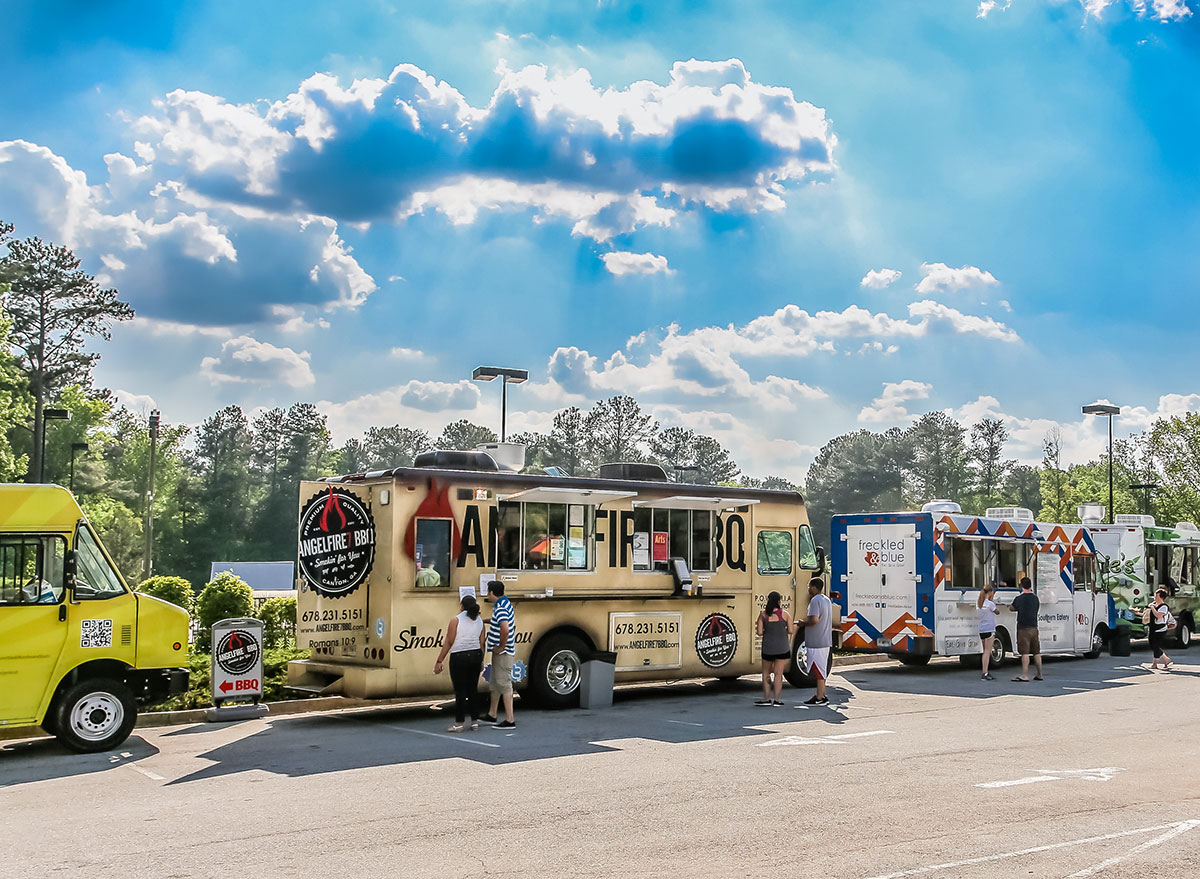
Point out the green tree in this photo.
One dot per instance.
(54, 306)
(219, 494)
(15, 407)
(296, 447)
(351, 457)
(1174, 446)
(988, 466)
(464, 435)
(569, 445)
(225, 596)
(618, 430)
(120, 528)
(279, 621)
(1053, 481)
(89, 424)
(857, 472)
(176, 590)
(938, 464)
(1023, 488)
(395, 446)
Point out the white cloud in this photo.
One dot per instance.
(986, 7)
(244, 359)
(939, 277)
(890, 406)
(407, 354)
(436, 396)
(134, 402)
(622, 262)
(1162, 10)
(878, 279)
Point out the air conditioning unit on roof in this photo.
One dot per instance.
(1091, 513)
(1134, 519)
(1186, 526)
(1022, 514)
(941, 506)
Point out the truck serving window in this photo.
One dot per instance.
(433, 553)
(544, 537)
(774, 552)
(31, 569)
(94, 579)
(685, 534)
(968, 563)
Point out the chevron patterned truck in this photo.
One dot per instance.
(908, 582)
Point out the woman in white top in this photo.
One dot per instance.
(464, 643)
(987, 626)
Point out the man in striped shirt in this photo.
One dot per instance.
(502, 644)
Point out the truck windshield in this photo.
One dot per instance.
(94, 578)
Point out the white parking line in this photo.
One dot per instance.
(823, 740)
(1175, 829)
(1032, 779)
(1180, 828)
(685, 722)
(465, 738)
(146, 772)
(1100, 773)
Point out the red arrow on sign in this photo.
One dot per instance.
(226, 686)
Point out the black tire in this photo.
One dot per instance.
(94, 715)
(798, 673)
(1000, 649)
(1183, 637)
(1099, 642)
(914, 659)
(557, 670)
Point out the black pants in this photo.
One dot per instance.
(465, 668)
(1156, 641)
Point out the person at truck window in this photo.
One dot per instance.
(1160, 621)
(502, 642)
(776, 628)
(818, 637)
(987, 625)
(464, 643)
(428, 577)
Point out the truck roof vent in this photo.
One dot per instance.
(634, 471)
(1091, 513)
(941, 506)
(1186, 526)
(508, 456)
(1134, 519)
(1020, 513)
(453, 459)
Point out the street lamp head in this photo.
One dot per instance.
(56, 414)
(1101, 409)
(510, 376)
(79, 447)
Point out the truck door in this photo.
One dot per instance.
(881, 583)
(774, 571)
(33, 627)
(1055, 590)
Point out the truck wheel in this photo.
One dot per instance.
(1185, 633)
(94, 715)
(914, 658)
(999, 650)
(557, 670)
(1099, 639)
(798, 674)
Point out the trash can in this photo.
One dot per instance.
(596, 683)
(1118, 641)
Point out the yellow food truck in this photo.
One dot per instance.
(668, 576)
(78, 649)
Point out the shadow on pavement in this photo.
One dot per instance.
(671, 714)
(44, 759)
(1064, 676)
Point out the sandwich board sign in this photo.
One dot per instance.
(237, 660)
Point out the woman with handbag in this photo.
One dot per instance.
(1159, 622)
(464, 643)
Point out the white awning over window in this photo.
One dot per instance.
(555, 495)
(694, 503)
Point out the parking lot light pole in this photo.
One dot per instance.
(509, 376)
(1110, 411)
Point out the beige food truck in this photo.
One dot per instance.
(668, 576)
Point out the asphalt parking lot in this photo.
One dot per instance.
(912, 772)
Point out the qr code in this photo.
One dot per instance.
(95, 633)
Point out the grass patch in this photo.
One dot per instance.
(199, 692)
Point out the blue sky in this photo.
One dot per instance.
(771, 222)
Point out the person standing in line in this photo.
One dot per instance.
(1160, 621)
(775, 627)
(987, 625)
(1026, 606)
(464, 643)
(818, 637)
(502, 642)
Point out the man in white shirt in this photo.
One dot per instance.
(818, 637)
